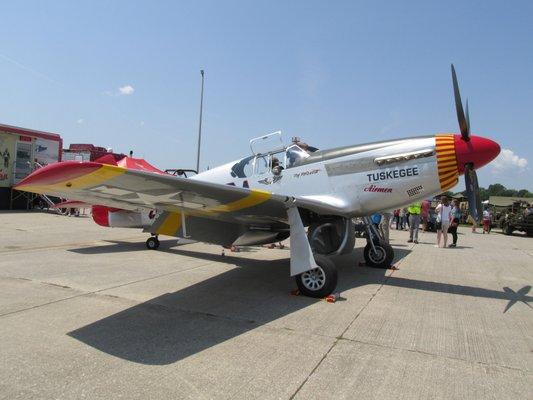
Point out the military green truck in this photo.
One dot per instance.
(517, 218)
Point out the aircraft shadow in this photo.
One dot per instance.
(126, 247)
(176, 325)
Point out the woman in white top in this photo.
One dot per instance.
(444, 215)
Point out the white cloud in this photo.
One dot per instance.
(141, 123)
(508, 161)
(126, 90)
(80, 121)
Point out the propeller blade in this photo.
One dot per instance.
(472, 193)
(467, 118)
(463, 124)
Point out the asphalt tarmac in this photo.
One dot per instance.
(89, 312)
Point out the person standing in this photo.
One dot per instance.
(376, 219)
(471, 220)
(424, 214)
(456, 218)
(486, 221)
(443, 211)
(384, 225)
(397, 218)
(402, 219)
(414, 221)
(405, 223)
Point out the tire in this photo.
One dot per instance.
(152, 243)
(383, 258)
(507, 229)
(319, 282)
(529, 233)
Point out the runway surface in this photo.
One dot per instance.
(87, 311)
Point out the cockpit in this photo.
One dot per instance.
(275, 160)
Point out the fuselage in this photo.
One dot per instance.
(362, 179)
(358, 180)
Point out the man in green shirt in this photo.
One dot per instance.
(414, 221)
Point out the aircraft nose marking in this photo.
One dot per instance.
(446, 161)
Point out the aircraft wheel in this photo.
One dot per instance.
(318, 282)
(380, 258)
(507, 229)
(152, 243)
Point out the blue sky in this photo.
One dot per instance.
(332, 73)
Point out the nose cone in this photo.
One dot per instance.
(478, 150)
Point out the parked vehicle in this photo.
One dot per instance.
(516, 218)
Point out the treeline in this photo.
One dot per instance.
(498, 189)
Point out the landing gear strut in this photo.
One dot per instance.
(152, 243)
(377, 253)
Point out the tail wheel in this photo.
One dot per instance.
(381, 257)
(318, 282)
(152, 243)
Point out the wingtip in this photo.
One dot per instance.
(56, 173)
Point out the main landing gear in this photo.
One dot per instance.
(314, 270)
(377, 253)
(152, 243)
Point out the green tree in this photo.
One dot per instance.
(524, 193)
(496, 189)
(483, 193)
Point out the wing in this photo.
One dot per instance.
(118, 187)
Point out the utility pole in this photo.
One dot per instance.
(200, 124)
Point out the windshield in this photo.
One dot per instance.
(294, 153)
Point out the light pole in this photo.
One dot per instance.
(200, 124)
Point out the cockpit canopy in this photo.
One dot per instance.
(273, 161)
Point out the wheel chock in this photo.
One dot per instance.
(332, 298)
(232, 248)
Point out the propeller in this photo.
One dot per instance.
(472, 193)
(464, 122)
(471, 182)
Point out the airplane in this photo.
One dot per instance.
(275, 194)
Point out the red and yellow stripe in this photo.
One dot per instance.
(446, 161)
